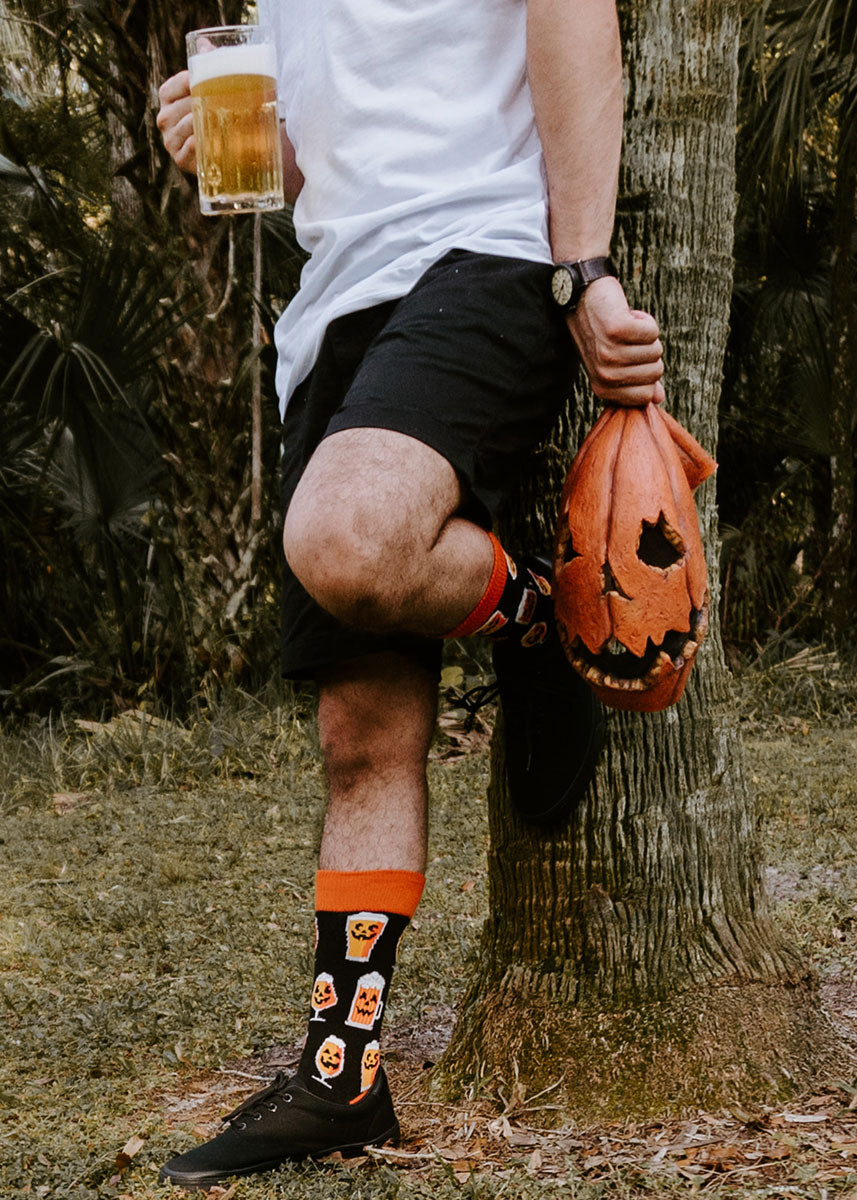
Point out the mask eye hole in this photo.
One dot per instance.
(660, 546)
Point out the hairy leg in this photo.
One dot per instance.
(373, 536)
(376, 719)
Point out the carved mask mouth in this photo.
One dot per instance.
(614, 666)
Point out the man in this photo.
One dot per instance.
(443, 158)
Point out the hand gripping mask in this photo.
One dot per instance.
(630, 583)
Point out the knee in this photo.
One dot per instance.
(369, 734)
(350, 574)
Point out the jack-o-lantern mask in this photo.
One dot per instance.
(363, 930)
(330, 1059)
(369, 1064)
(367, 1003)
(630, 584)
(323, 994)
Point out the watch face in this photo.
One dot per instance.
(562, 286)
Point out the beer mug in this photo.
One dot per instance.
(233, 87)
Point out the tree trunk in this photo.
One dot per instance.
(629, 959)
(839, 561)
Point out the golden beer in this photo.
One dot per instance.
(239, 157)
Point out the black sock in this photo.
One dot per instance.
(354, 958)
(516, 604)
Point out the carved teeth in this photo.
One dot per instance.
(663, 660)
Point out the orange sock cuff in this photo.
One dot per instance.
(380, 891)
(487, 606)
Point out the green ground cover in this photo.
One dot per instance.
(155, 951)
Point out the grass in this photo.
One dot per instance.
(155, 918)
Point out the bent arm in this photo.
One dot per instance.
(574, 64)
(175, 121)
(293, 179)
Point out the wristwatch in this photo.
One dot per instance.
(571, 279)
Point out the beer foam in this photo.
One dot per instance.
(233, 60)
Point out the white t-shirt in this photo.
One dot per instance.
(413, 125)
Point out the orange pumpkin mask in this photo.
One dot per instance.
(630, 584)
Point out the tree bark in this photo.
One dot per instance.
(629, 963)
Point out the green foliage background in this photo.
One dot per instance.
(130, 566)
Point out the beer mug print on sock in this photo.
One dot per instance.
(367, 1004)
(369, 1064)
(363, 930)
(233, 87)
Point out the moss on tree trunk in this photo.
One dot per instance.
(629, 958)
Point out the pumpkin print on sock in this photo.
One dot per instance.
(362, 931)
(323, 995)
(367, 1005)
(329, 1060)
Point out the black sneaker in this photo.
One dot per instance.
(284, 1122)
(554, 725)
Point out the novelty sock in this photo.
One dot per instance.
(515, 605)
(360, 916)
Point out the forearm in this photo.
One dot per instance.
(293, 179)
(574, 65)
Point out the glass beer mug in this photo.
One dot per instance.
(233, 86)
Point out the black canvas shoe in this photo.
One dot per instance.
(554, 725)
(284, 1122)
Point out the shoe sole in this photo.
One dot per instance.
(202, 1181)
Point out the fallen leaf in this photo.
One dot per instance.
(535, 1161)
(775, 1153)
(720, 1158)
(517, 1137)
(457, 1150)
(806, 1118)
(133, 1146)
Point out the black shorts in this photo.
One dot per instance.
(476, 362)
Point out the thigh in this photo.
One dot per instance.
(311, 640)
(380, 491)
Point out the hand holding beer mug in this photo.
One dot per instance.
(233, 87)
